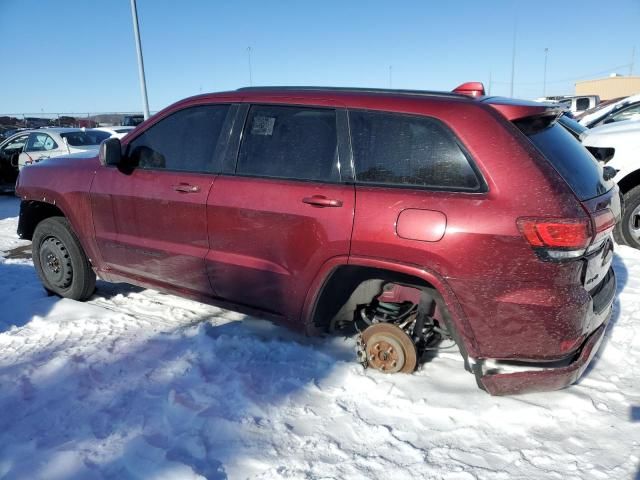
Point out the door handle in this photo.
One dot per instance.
(322, 201)
(186, 188)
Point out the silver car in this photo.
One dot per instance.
(46, 143)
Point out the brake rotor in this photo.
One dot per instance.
(389, 349)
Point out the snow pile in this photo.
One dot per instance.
(136, 384)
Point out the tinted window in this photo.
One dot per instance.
(185, 140)
(87, 138)
(39, 142)
(290, 142)
(572, 161)
(408, 150)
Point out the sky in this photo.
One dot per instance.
(79, 55)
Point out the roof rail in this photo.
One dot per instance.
(428, 93)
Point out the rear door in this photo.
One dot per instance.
(150, 221)
(283, 210)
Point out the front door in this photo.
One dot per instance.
(286, 209)
(150, 221)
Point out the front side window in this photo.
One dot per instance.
(40, 142)
(16, 144)
(408, 150)
(290, 142)
(185, 140)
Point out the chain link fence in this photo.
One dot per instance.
(12, 121)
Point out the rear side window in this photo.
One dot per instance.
(185, 140)
(290, 142)
(39, 142)
(572, 161)
(408, 150)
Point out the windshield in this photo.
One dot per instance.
(85, 139)
(572, 161)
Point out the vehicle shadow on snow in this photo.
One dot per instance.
(622, 277)
(195, 398)
(22, 296)
(9, 206)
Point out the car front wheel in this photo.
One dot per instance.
(60, 261)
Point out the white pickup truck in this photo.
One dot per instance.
(617, 145)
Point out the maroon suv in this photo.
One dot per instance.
(410, 216)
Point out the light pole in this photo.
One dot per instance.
(544, 78)
(143, 82)
(513, 57)
(250, 76)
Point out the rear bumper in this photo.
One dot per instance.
(545, 376)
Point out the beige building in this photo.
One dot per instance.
(610, 87)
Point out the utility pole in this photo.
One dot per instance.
(544, 81)
(143, 82)
(513, 57)
(390, 76)
(250, 73)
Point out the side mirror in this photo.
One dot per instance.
(110, 152)
(609, 173)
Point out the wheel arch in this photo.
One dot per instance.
(629, 181)
(339, 279)
(32, 212)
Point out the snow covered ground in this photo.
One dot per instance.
(136, 384)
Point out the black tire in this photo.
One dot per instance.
(629, 218)
(60, 261)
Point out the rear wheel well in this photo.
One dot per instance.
(349, 286)
(630, 181)
(32, 213)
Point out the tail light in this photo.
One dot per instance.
(557, 238)
(567, 238)
(604, 222)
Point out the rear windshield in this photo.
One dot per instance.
(572, 161)
(85, 139)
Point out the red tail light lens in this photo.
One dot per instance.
(605, 222)
(565, 234)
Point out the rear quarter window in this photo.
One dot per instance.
(571, 160)
(409, 150)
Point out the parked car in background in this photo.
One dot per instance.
(624, 109)
(10, 150)
(53, 142)
(617, 145)
(132, 120)
(118, 131)
(326, 208)
(575, 104)
(601, 105)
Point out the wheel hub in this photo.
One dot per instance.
(634, 223)
(389, 349)
(56, 262)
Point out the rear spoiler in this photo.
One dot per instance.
(512, 109)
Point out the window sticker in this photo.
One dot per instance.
(263, 125)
